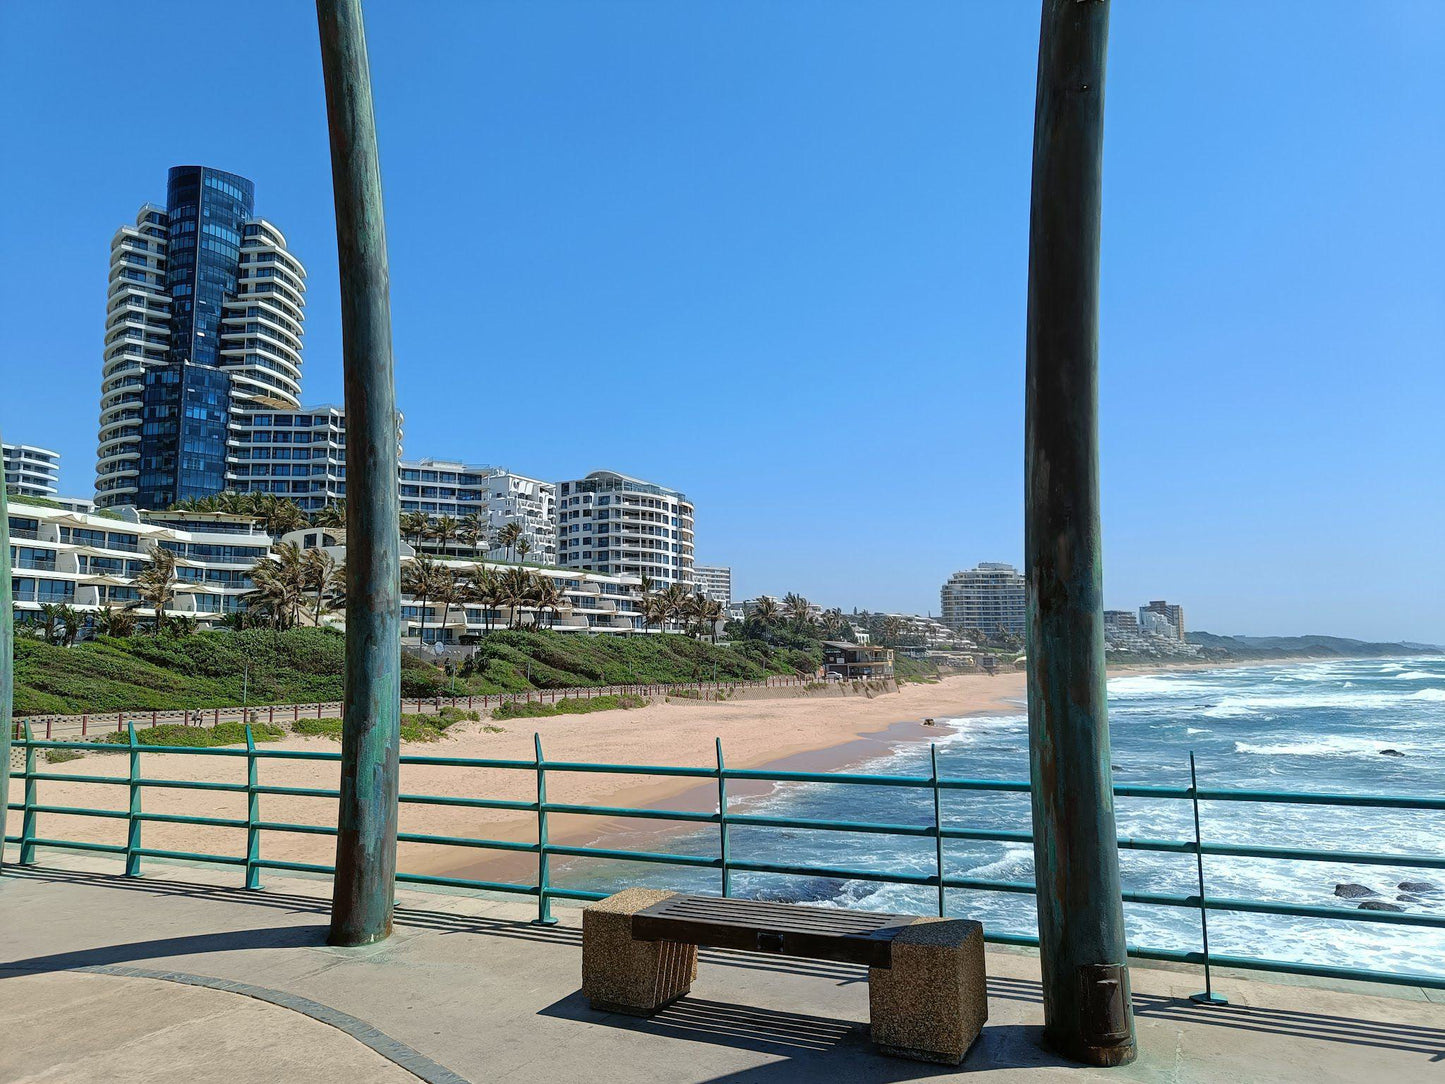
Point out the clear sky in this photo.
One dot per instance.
(774, 254)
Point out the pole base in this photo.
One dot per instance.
(1206, 998)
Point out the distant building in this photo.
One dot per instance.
(621, 526)
(1171, 613)
(990, 597)
(31, 471)
(715, 582)
(297, 454)
(497, 496)
(849, 661)
(1123, 621)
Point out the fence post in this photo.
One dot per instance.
(132, 840)
(544, 902)
(937, 825)
(722, 819)
(253, 815)
(1207, 996)
(27, 821)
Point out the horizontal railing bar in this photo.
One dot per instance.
(849, 778)
(77, 811)
(193, 784)
(631, 811)
(473, 803)
(1363, 858)
(468, 762)
(697, 861)
(187, 856)
(464, 882)
(750, 820)
(62, 777)
(76, 845)
(295, 754)
(462, 841)
(832, 873)
(182, 818)
(621, 769)
(1286, 797)
(284, 826)
(294, 867)
(295, 792)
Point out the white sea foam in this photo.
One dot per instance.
(1416, 675)
(1437, 695)
(1195, 730)
(1336, 745)
(1391, 668)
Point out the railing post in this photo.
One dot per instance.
(27, 820)
(253, 815)
(722, 819)
(132, 839)
(544, 901)
(937, 825)
(1207, 996)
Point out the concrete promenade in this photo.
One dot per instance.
(182, 976)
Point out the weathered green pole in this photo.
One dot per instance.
(7, 661)
(1087, 1015)
(361, 902)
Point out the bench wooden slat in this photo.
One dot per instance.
(819, 933)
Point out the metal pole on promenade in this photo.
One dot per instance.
(361, 905)
(1087, 1014)
(7, 663)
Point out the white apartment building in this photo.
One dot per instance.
(594, 602)
(297, 454)
(497, 496)
(714, 582)
(31, 471)
(990, 597)
(621, 526)
(89, 561)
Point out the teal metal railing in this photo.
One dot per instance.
(253, 861)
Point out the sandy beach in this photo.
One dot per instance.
(820, 732)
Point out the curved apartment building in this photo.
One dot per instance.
(621, 526)
(203, 324)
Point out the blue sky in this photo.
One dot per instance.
(774, 254)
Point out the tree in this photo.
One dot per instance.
(484, 586)
(418, 579)
(62, 623)
(333, 515)
(111, 621)
(447, 590)
(279, 584)
(444, 529)
(516, 592)
(654, 612)
(278, 515)
(677, 600)
(509, 536)
(472, 532)
(798, 609)
(414, 525)
(547, 596)
(156, 583)
(325, 577)
(765, 610)
(524, 547)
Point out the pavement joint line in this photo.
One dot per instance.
(393, 1050)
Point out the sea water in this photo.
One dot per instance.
(1315, 726)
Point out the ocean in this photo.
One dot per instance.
(1311, 726)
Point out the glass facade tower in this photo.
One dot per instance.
(208, 210)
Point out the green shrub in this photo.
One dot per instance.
(523, 709)
(197, 737)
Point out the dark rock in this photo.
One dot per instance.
(1405, 897)
(1391, 753)
(1354, 891)
(1379, 905)
(1416, 886)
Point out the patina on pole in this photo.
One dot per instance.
(363, 891)
(7, 662)
(1087, 1012)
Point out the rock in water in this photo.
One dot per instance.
(1391, 753)
(1405, 897)
(1416, 886)
(1379, 905)
(1354, 891)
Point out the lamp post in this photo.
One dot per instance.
(7, 662)
(363, 889)
(1087, 1012)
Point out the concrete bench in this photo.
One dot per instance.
(926, 994)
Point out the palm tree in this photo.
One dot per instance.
(892, 629)
(111, 621)
(766, 610)
(709, 613)
(676, 598)
(654, 612)
(444, 529)
(279, 585)
(524, 547)
(482, 587)
(414, 525)
(508, 537)
(797, 608)
(833, 622)
(278, 515)
(516, 591)
(333, 515)
(447, 589)
(547, 596)
(473, 532)
(156, 583)
(418, 579)
(326, 578)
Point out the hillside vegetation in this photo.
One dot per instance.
(1286, 647)
(306, 665)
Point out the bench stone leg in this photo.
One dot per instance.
(931, 1004)
(627, 976)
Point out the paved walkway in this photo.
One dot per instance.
(181, 976)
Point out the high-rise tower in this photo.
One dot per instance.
(203, 325)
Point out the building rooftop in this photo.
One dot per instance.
(181, 975)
